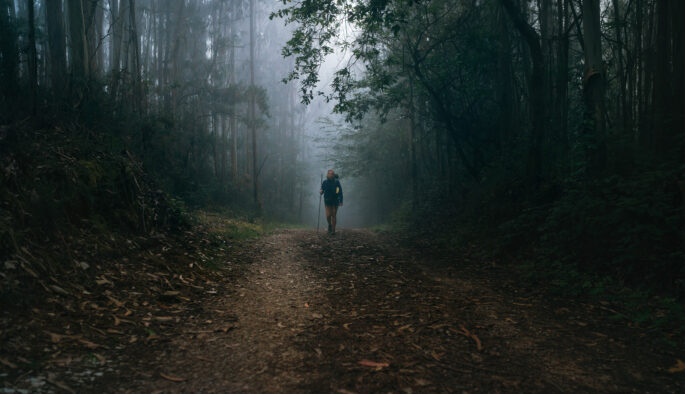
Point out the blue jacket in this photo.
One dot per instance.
(332, 192)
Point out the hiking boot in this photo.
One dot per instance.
(330, 229)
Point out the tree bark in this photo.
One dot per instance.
(663, 80)
(57, 46)
(79, 44)
(115, 35)
(620, 70)
(412, 147)
(536, 86)
(679, 72)
(135, 48)
(32, 57)
(234, 128)
(253, 120)
(504, 73)
(594, 88)
(99, 57)
(562, 72)
(9, 53)
(90, 9)
(175, 54)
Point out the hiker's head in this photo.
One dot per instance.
(330, 174)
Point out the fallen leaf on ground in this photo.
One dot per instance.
(100, 357)
(369, 363)
(172, 378)
(473, 336)
(678, 367)
(115, 301)
(54, 337)
(89, 344)
(61, 385)
(7, 363)
(59, 290)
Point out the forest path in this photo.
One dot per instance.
(359, 313)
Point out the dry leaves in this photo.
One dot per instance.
(471, 335)
(678, 367)
(373, 364)
(172, 378)
(8, 363)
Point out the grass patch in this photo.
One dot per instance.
(239, 228)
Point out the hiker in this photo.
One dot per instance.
(332, 197)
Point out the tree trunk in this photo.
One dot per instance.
(505, 74)
(118, 11)
(90, 9)
(57, 46)
(224, 147)
(253, 120)
(79, 44)
(620, 71)
(593, 88)
(562, 73)
(115, 36)
(135, 58)
(216, 126)
(99, 37)
(32, 57)
(9, 53)
(175, 54)
(536, 86)
(546, 40)
(663, 100)
(412, 148)
(679, 73)
(234, 127)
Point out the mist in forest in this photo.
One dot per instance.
(545, 124)
(513, 175)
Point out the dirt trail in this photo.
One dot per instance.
(358, 313)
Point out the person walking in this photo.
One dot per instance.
(332, 197)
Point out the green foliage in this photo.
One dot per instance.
(234, 226)
(629, 228)
(56, 178)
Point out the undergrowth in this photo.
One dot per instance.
(616, 240)
(238, 227)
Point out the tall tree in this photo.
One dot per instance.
(665, 102)
(56, 44)
(252, 105)
(536, 86)
(135, 58)
(594, 87)
(9, 53)
(620, 69)
(79, 43)
(32, 56)
(562, 71)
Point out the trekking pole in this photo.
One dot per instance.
(318, 218)
(337, 222)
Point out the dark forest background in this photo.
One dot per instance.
(552, 132)
(549, 130)
(133, 113)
